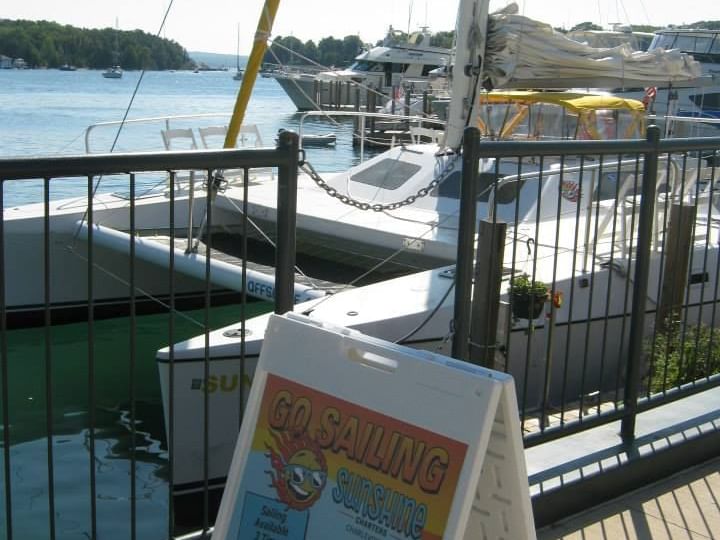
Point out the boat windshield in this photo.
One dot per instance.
(365, 65)
(687, 42)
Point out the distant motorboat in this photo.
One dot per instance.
(319, 139)
(114, 72)
(67, 67)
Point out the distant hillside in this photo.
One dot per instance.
(49, 44)
(216, 60)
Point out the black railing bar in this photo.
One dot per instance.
(691, 265)
(99, 164)
(206, 360)
(583, 423)
(531, 323)
(624, 330)
(713, 330)
(5, 383)
(611, 274)
(630, 282)
(171, 360)
(688, 145)
(133, 361)
(571, 299)
(674, 284)
(502, 149)
(91, 361)
(550, 326)
(593, 266)
(522, 394)
(642, 270)
(48, 357)
(286, 223)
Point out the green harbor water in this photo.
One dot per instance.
(71, 392)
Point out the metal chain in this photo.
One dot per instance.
(422, 192)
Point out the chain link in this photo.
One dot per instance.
(422, 192)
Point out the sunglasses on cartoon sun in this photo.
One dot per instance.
(297, 474)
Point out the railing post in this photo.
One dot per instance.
(288, 145)
(465, 244)
(642, 265)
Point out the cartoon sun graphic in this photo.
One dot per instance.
(299, 469)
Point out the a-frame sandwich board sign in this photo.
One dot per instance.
(351, 437)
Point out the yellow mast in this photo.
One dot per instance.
(267, 17)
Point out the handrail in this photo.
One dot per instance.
(99, 164)
(166, 119)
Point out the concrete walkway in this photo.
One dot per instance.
(683, 506)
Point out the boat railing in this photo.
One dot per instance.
(362, 117)
(154, 139)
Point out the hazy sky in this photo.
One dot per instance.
(211, 25)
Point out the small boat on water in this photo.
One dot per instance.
(238, 72)
(316, 139)
(67, 67)
(114, 72)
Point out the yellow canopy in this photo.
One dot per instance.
(575, 102)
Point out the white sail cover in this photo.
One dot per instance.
(522, 49)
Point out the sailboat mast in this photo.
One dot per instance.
(470, 35)
(264, 27)
(237, 55)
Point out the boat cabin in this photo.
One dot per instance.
(704, 45)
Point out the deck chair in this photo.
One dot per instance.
(212, 136)
(182, 139)
(170, 136)
(248, 137)
(417, 133)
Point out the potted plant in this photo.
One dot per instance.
(527, 297)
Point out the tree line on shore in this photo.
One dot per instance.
(330, 51)
(51, 45)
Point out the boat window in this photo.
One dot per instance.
(399, 68)
(692, 44)
(716, 45)
(386, 174)
(517, 120)
(365, 65)
(427, 68)
(663, 40)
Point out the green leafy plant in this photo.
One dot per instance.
(681, 355)
(527, 296)
(523, 285)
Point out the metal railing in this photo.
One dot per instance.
(624, 236)
(57, 243)
(607, 224)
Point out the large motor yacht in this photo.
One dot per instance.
(397, 61)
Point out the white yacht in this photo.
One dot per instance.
(704, 46)
(393, 63)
